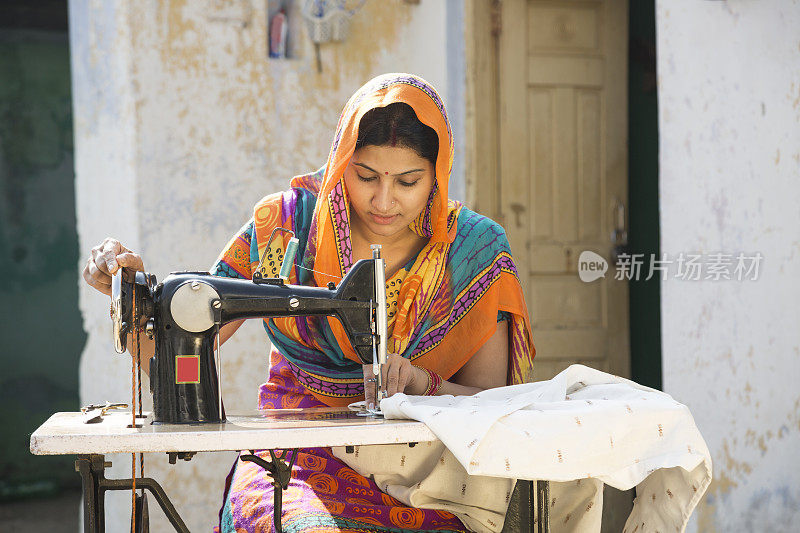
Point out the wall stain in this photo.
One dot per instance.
(376, 27)
(729, 473)
(701, 321)
(184, 47)
(794, 414)
(719, 205)
(739, 469)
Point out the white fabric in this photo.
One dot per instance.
(581, 425)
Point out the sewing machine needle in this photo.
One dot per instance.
(376, 367)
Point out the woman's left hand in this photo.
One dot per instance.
(398, 375)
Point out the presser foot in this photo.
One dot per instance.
(375, 413)
(371, 414)
(363, 410)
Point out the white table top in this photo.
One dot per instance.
(65, 433)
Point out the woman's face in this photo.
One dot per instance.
(388, 188)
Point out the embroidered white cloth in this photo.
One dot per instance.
(581, 425)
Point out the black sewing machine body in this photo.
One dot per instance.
(183, 314)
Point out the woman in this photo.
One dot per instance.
(457, 318)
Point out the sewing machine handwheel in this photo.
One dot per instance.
(120, 327)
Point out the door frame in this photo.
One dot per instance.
(482, 173)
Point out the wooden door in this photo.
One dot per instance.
(562, 125)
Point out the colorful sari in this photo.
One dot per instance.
(444, 304)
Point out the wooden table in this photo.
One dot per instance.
(273, 429)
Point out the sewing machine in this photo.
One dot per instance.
(185, 311)
(183, 314)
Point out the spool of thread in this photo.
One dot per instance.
(288, 258)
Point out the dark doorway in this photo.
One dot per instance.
(41, 328)
(643, 224)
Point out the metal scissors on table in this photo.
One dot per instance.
(94, 412)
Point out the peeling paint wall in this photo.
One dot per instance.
(181, 124)
(729, 126)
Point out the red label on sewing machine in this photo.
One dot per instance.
(187, 369)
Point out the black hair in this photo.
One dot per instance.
(398, 125)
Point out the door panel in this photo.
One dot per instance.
(563, 141)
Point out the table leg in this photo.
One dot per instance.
(281, 472)
(277, 507)
(92, 471)
(91, 514)
(533, 512)
(543, 505)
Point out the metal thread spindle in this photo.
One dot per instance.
(289, 257)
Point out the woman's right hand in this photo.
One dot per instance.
(104, 261)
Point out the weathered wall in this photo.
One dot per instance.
(729, 121)
(181, 124)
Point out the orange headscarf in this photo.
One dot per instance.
(379, 92)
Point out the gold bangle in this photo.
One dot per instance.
(434, 382)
